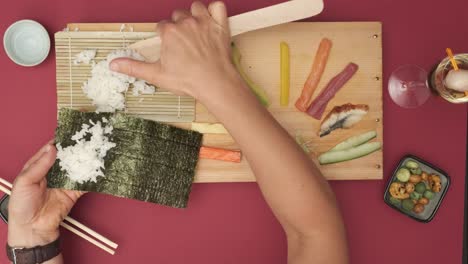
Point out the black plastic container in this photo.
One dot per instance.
(431, 208)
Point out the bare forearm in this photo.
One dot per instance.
(195, 60)
(292, 185)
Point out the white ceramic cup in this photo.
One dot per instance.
(26, 42)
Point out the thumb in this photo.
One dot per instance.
(149, 72)
(37, 170)
(73, 195)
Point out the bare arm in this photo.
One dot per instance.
(195, 61)
(292, 185)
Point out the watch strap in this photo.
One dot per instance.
(38, 254)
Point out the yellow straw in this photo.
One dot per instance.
(452, 60)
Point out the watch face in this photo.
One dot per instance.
(4, 208)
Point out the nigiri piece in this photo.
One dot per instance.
(343, 116)
(457, 80)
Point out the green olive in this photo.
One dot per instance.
(420, 187)
(415, 195)
(395, 201)
(417, 171)
(428, 194)
(411, 164)
(407, 205)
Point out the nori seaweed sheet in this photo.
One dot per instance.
(151, 161)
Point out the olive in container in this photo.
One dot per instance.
(416, 188)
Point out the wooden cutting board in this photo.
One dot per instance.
(358, 42)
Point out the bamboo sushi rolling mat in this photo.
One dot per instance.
(358, 42)
(160, 106)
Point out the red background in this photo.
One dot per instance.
(230, 223)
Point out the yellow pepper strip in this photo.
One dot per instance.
(285, 78)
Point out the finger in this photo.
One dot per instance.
(37, 171)
(74, 195)
(36, 156)
(218, 12)
(199, 10)
(149, 72)
(178, 15)
(160, 25)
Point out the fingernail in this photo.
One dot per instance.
(114, 66)
(47, 148)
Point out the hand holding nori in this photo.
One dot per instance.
(151, 162)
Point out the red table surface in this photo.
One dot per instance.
(231, 223)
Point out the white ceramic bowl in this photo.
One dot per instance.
(26, 42)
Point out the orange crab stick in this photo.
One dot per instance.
(318, 67)
(220, 154)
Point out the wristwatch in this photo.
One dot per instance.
(35, 255)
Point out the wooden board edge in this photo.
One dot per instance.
(207, 179)
(151, 26)
(381, 125)
(135, 27)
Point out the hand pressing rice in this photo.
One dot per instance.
(106, 88)
(84, 161)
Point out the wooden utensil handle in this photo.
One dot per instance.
(265, 17)
(274, 15)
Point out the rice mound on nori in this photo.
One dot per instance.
(84, 160)
(151, 161)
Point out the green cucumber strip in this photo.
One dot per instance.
(257, 90)
(349, 154)
(354, 141)
(300, 141)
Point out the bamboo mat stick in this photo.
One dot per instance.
(77, 224)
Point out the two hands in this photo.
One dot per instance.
(195, 52)
(195, 60)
